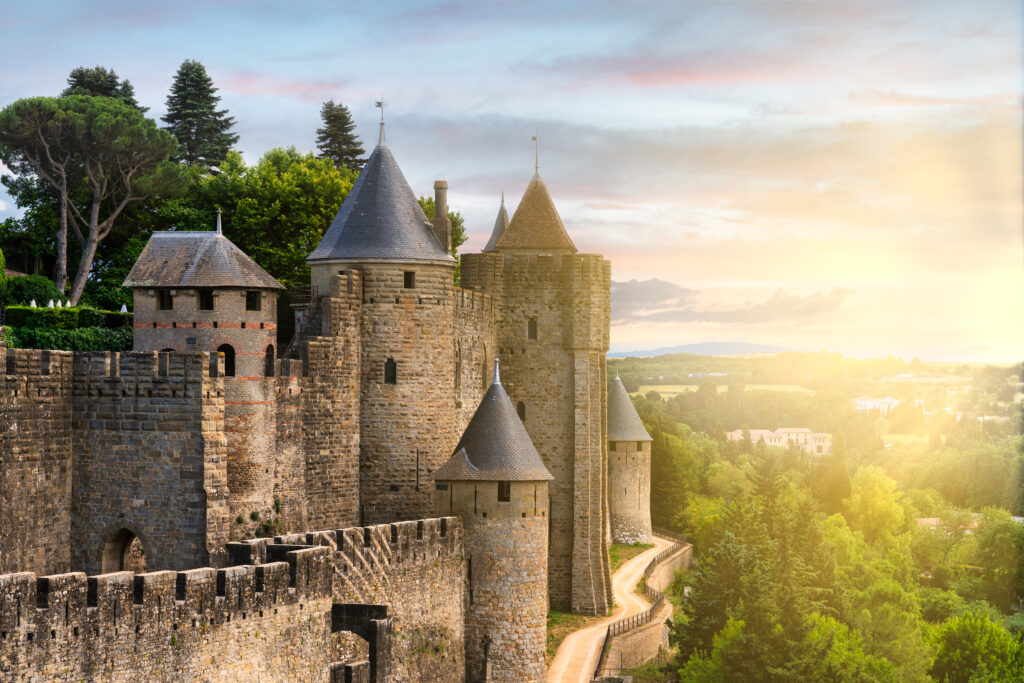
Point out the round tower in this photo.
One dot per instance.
(407, 387)
(629, 469)
(197, 291)
(498, 484)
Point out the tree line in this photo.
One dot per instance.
(95, 177)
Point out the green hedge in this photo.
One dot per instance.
(81, 339)
(21, 291)
(65, 318)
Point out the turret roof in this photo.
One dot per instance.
(536, 224)
(500, 226)
(495, 445)
(623, 422)
(380, 219)
(192, 259)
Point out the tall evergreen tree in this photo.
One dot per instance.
(202, 131)
(336, 141)
(99, 81)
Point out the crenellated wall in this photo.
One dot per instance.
(35, 460)
(149, 457)
(272, 622)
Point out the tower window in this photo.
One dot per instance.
(165, 302)
(531, 329)
(205, 299)
(639, 446)
(410, 279)
(253, 300)
(504, 491)
(521, 411)
(268, 365)
(611, 446)
(390, 371)
(229, 359)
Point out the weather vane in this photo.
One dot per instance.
(381, 104)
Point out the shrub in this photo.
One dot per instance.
(21, 290)
(81, 339)
(36, 318)
(115, 320)
(91, 317)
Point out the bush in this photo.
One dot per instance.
(91, 317)
(21, 291)
(115, 320)
(37, 318)
(81, 339)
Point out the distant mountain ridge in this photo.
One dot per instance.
(712, 348)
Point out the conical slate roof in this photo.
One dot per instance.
(536, 224)
(189, 259)
(623, 422)
(380, 219)
(495, 445)
(500, 225)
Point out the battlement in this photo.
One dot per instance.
(35, 610)
(467, 300)
(159, 374)
(28, 363)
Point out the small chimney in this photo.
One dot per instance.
(442, 226)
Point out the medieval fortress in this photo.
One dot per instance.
(399, 494)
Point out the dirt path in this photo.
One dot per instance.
(577, 655)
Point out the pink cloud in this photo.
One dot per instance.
(313, 92)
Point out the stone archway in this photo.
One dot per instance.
(123, 551)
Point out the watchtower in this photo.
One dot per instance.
(197, 291)
(629, 469)
(407, 385)
(553, 318)
(498, 484)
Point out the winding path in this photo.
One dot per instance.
(577, 656)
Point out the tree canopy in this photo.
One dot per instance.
(203, 132)
(336, 140)
(99, 81)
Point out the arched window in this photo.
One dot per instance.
(268, 365)
(390, 371)
(521, 410)
(229, 359)
(531, 329)
(123, 552)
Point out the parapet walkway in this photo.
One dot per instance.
(577, 657)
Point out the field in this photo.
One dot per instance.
(670, 390)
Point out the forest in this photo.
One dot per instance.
(880, 561)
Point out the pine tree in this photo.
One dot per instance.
(336, 141)
(202, 131)
(99, 81)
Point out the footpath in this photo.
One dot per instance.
(633, 627)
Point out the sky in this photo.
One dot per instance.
(815, 175)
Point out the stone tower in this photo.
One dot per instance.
(407, 385)
(498, 484)
(197, 291)
(552, 308)
(629, 469)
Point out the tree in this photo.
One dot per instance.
(36, 144)
(202, 130)
(873, 507)
(1000, 550)
(275, 211)
(337, 141)
(101, 82)
(972, 647)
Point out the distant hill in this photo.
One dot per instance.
(713, 348)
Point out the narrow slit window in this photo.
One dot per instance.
(639, 446)
(504, 491)
(390, 371)
(205, 299)
(165, 302)
(253, 300)
(531, 329)
(268, 367)
(410, 279)
(521, 410)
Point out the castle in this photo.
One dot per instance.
(456, 447)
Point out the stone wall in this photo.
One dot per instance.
(629, 491)
(475, 347)
(415, 568)
(35, 461)
(265, 623)
(149, 459)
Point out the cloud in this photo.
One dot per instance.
(308, 91)
(658, 301)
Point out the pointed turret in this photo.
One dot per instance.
(536, 223)
(500, 226)
(380, 219)
(629, 469)
(624, 424)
